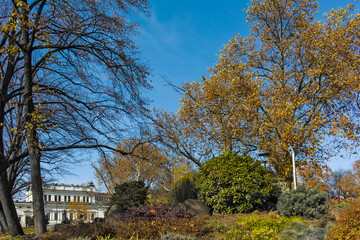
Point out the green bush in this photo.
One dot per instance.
(304, 202)
(129, 194)
(231, 183)
(340, 205)
(184, 189)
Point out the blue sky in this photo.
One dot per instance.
(180, 41)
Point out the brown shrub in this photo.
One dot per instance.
(140, 229)
(91, 230)
(143, 229)
(347, 225)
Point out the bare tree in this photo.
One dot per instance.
(79, 80)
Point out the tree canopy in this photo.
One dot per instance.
(147, 163)
(292, 83)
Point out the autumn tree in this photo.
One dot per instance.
(317, 175)
(79, 209)
(348, 184)
(54, 54)
(147, 163)
(292, 83)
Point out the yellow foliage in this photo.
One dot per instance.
(146, 162)
(79, 208)
(290, 83)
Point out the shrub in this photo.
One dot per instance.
(129, 194)
(173, 236)
(154, 213)
(143, 229)
(347, 226)
(258, 227)
(300, 231)
(184, 189)
(79, 238)
(231, 183)
(90, 230)
(304, 202)
(340, 205)
(218, 225)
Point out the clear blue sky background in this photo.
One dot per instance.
(180, 41)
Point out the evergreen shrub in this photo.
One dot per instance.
(129, 194)
(231, 183)
(303, 201)
(183, 189)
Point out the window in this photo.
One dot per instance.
(83, 199)
(56, 216)
(48, 216)
(69, 199)
(87, 199)
(55, 198)
(59, 198)
(92, 216)
(49, 198)
(45, 198)
(71, 216)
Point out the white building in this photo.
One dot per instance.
(63, 201)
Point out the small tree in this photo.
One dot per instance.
(183, 189)
(129, 194)
(231, 183)
(304, 202)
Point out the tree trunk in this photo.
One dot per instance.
(12, 225)
(37, 190)
(3, 225)
(33, 146)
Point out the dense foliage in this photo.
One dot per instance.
(303, 201)
(92, 231)
(129, 194)
(347, 226)
(292, 82)
(231, 183)
(184, 189)
(147, 162)
(154, 213)
(141, 229)
(260, 227)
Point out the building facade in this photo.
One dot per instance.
(65, 202)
